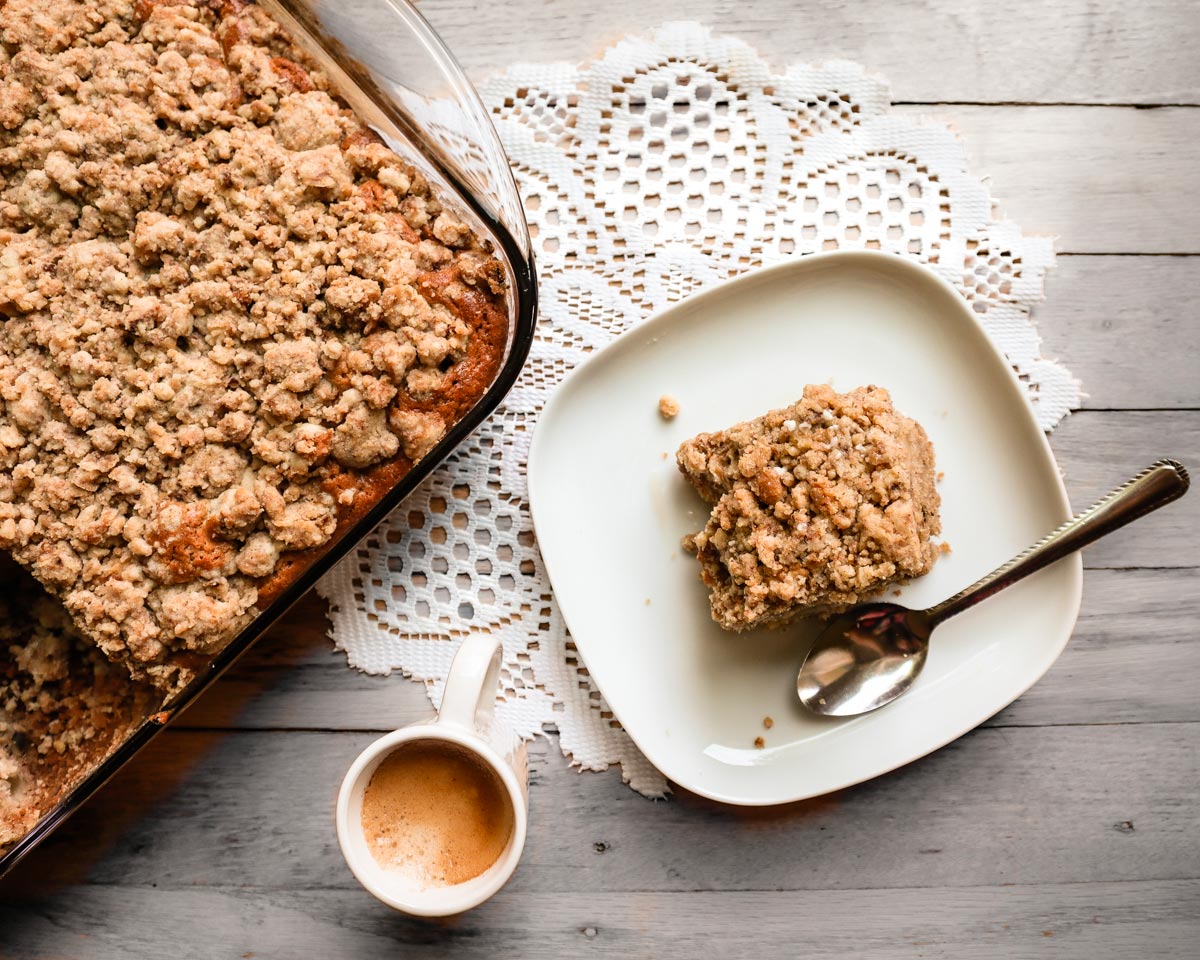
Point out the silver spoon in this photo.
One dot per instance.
(872, 653)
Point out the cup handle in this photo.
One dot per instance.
(470, 694)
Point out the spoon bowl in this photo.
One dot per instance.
(863, 659)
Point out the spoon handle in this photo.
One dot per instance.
(1154, 487)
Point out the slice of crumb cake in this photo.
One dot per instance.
(815, 506)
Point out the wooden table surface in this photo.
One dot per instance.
(1066, 826)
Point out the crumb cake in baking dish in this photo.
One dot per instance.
(230, 317)
(63, 706)
(814, 507)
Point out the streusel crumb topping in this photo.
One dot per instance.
(220, 295)
(815, 506)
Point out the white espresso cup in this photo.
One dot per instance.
(463, 721)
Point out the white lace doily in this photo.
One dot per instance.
(671, 163)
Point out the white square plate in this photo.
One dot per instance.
(610, 508)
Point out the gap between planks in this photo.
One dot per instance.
(650, 891)
(1114, 104)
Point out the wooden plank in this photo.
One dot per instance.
(1132, 659)
(1126, 327)
(930, 50)
(1101, 180)
(1097, 450)
(1085, 921)
(1014, 805)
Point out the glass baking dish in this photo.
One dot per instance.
(394, 71)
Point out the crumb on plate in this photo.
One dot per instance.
(668, 407)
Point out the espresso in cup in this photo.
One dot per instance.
(435, 813)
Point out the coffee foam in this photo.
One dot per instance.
(436, 814)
